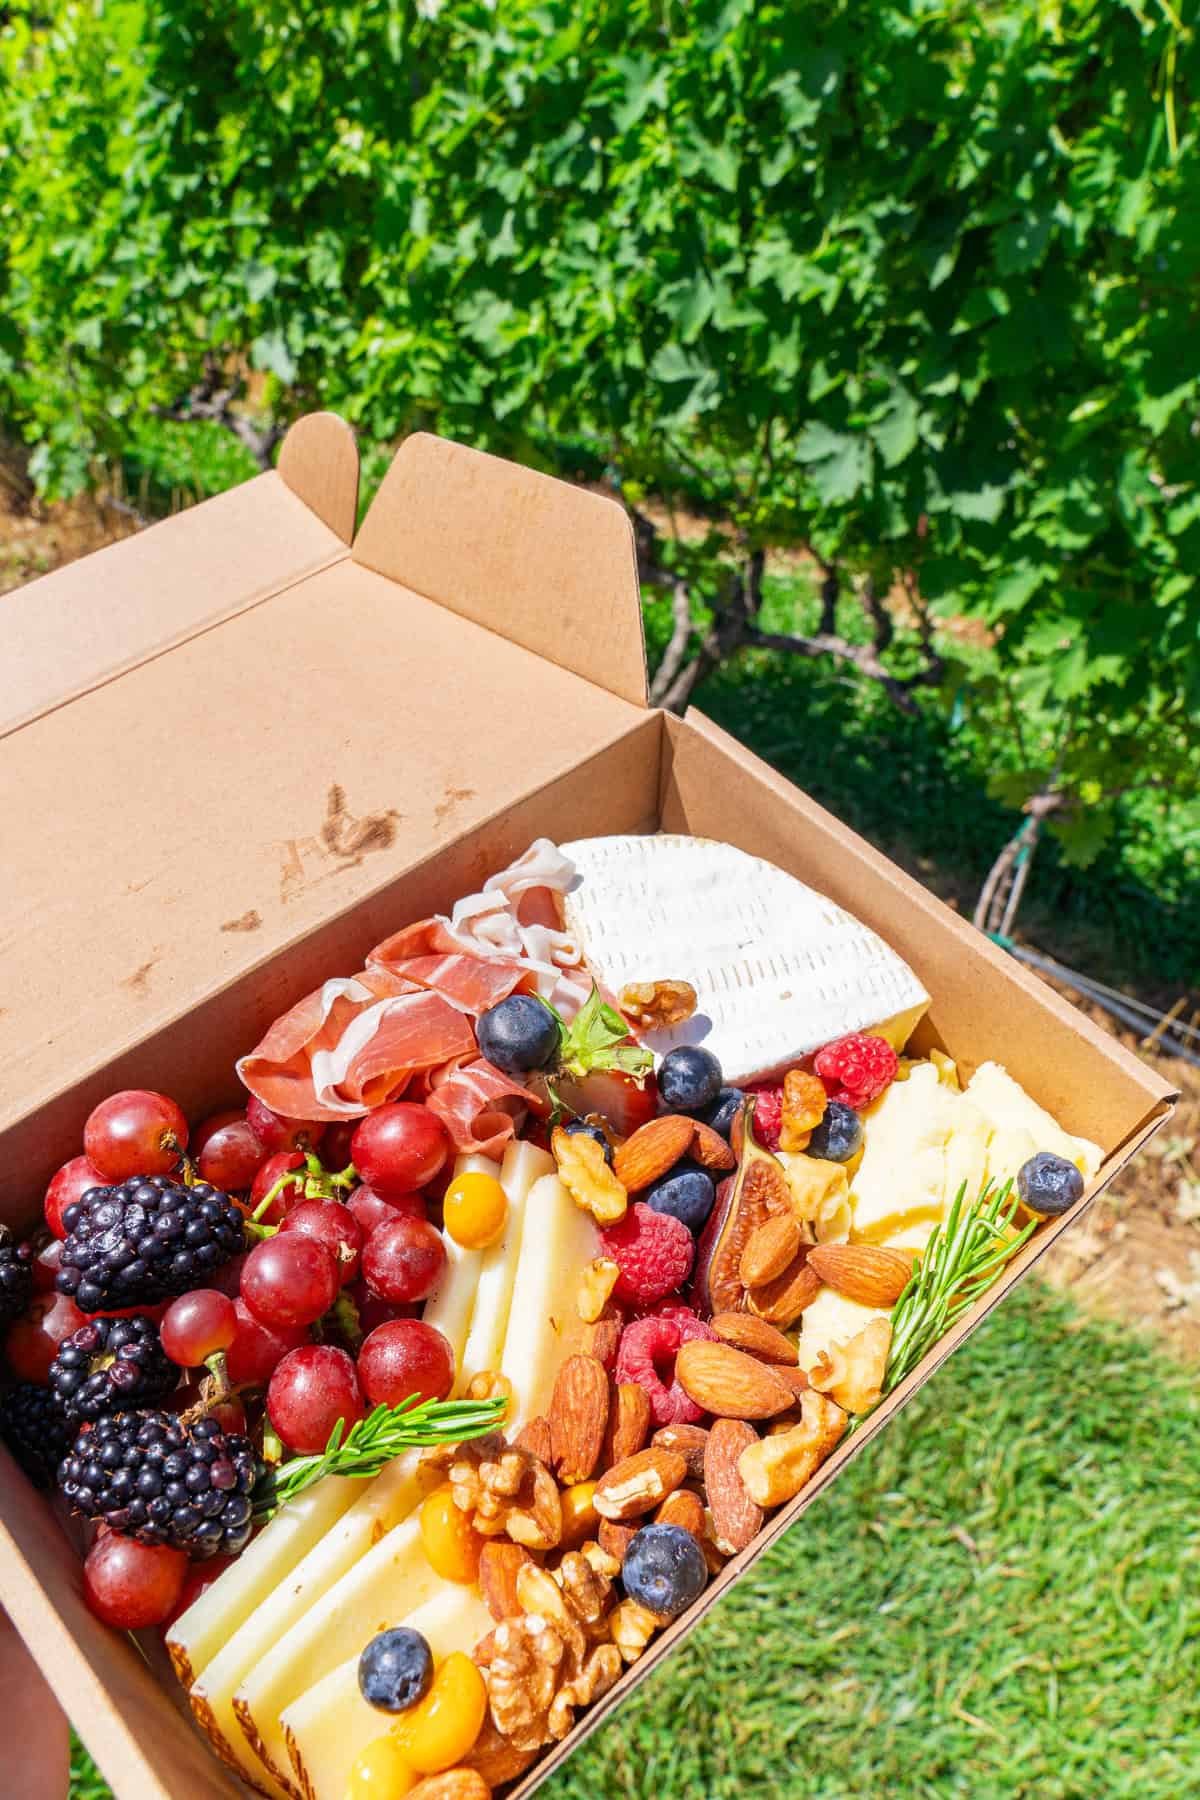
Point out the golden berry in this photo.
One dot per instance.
(579, 1515)
(439, 1730)
(475, 1210)
(381, 1772)
(450, 1544)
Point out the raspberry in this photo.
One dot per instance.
(768, 1112)
(653, 1251)
(651, 1344)
(856, 1069)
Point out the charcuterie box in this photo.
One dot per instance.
(239, 748)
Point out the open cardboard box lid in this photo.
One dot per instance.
(226, 742)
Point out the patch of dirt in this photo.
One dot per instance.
(1135, 1257)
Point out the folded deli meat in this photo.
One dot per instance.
(547, 1254)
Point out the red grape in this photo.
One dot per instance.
(276, 1133)
(31, 1343)
(373, 1311)
(336, 1153)
(46, 1265)
(130, 1585)
(199, 1578)
(70, 1184)
(230, 1415)
(196, 1325)
(264, 1181)
(310, 1391)
(400, 1147)
(226, 1151)
(258, 1348)
(371, 1209)
(333, 1225)
(289, 1280)
(228, 1278)
(403, 1259)
(135, 1133)
(403, 1358)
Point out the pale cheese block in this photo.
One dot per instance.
(558, 1240)
(523, 1164)
(451, 1303)
(1020, 1127)
(383, 1503)
(328, 1728)
(779, 969)
(383, 1586)
(900, 1190)
(208, 1624)
(831, 1319)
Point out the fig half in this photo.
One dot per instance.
(754, 1193)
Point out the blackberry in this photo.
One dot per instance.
(159, 1480)
(16, 1277)
(145, 1240)
(109, 1365)
(33, 1427)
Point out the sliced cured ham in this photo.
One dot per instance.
(480, 1107)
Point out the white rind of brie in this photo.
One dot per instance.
(779, 969)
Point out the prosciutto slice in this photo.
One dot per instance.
(404, 1026)
(480, 1107)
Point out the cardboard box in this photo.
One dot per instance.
(242, 747)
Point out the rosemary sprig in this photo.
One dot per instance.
(962, 1259)
(374, 1441)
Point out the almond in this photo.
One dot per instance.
(536, 1439)
(747, 1332)
(709, 1148)
(782, 1300)
(869, 1273)
(615, 1537)
(578, 1416)
(683, 1508)
(770, 1249)
(499, 1565)
(603, 1337)
(688, 1441)
(797, 1379)
(652, 1151)
(729, 1383)
(628, 1424)
(452, 1784)
(736, 1518)
(639, 1484)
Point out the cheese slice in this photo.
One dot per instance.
(558, 1240)
(523, 1164)
(1020, 1127)
(450, 1305)
(389, 1581)
(779, 969)
(327, 1729)
(900, 1190)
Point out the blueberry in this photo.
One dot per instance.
(687, 1193)
(519, 1034)
(1048, 1184)
(664, 1569)
(724, 1110)
(395, 1670)
(689, 1079)
(581, 1128)
(839, 1136)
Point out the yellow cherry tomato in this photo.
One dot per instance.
(475, 1210)
(580, 1518)
(438, 1731)
(450, 1544)
(381, 1773)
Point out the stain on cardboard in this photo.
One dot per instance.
(342, 840)
(453, 798)
(249, 921)
(139, 981)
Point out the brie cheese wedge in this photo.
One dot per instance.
(779, 969)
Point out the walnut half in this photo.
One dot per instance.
(655, 1005)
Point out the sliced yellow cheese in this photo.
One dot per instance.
(1020, 1127)
(523, 1164)
(383, 1502)
(558, 1240)
(208, 1624)
(389, 1581)
(452, 1302)
(330, 1725)
(831, 1319)
(899, 1192)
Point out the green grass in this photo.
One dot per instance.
(1000, 1599)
